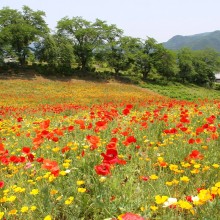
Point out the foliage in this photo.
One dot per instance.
(56, 51)
(120, 54)
(85, 36)
(19, 29)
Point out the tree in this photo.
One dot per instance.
(185, 63)
(119, 53)
(148, 55)
(85, 36)
(165, 62)
(19, 29)
(56, 50)
(206, 63)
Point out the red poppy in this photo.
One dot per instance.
(14, 159)
(189, 198)
(81, 123)
(163, 164)
(191, 141)
(40, 160)
(70, 128)
(144, 178)
(126, 111)
(26, 150)
(20, 119)
(100, 126)
(194, 155)
(45, 124)
(58, 132)
(93, 139)
(103, 169)
(2, 184)
(129, 106)
(65, 149)
(131, 216)
(2, 149)
(52, 166)
(112, 144)
(129, 140)
(111, 156)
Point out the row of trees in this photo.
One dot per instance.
(80, 43)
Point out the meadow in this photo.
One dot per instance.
(80, 150)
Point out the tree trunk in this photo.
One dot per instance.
(145, 75)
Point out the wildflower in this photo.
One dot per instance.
(52, 166)
(102, 179)
(11, 198)
(80, 182)
(111, 156)
(63, 173)
(129, 215)
(33, 208)
(48, 217)
(1, 215)
(34, 192)
(153, 177)
(184, 179)
(175, 182)
(168, 183)
(195, 155)
(215, 165)
(2, 184)
(170, 202)
(161, 199)
(144, 178)
(81, 190)
(103, 169)
(204, 195)
(184, 205)
(69, 200)
(53, 192)
(13, 212)
(153, 208)
(24, 209)
(217, 184)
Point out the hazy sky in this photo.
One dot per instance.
(160, 19)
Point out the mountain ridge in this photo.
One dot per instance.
(195, 42)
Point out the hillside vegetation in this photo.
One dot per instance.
(80, 150)
(195, 42)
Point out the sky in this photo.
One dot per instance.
(160, 19)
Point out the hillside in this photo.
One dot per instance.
(32, 89)
(195, 42)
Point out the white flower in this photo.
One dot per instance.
(169, 202)
(195, 198)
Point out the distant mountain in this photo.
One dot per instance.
(195, 42)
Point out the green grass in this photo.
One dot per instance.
(182, 92)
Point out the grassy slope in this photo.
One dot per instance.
(72, 90)
(183, 92)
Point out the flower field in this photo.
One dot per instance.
(94, 151)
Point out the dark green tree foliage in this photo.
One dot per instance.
(165, 62)
(206, 63)
(85, 36)
(120, 53)
(152, 55)
(56, 51)
(185, 63)
(19, 29)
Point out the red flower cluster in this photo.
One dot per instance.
(52, 166)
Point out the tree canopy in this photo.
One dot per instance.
(19, 29)
(83, 45)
